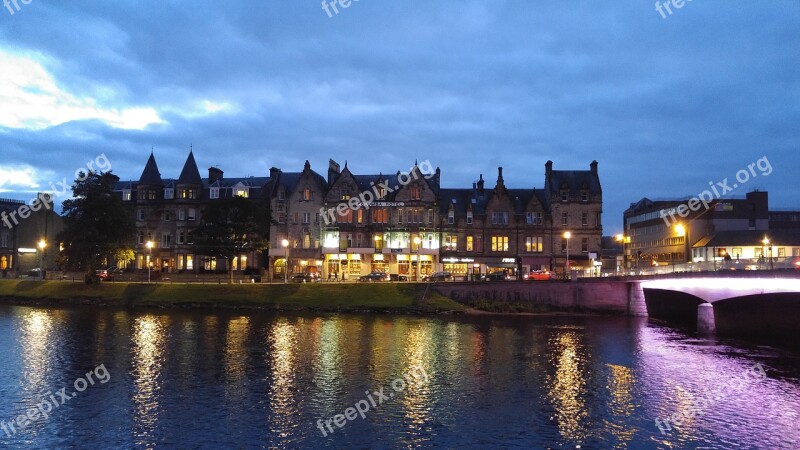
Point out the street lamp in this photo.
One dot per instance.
(149, 246)
(285, 244)
(417, 241)
(567, 235)
(624, 240)
(42, 244)
(682, 231)
(764, 251)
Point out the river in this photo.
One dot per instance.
(109, 378)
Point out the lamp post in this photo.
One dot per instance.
(764, 251)
(682, 231)
(149, 246)
(285, 244)
(417, 241)
(567, 235)
(42, 244)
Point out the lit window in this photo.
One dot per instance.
(126, 195)
(416, 193)
(499, 243)
(469, 243)
(242, 192)
(534, 244)
(307, 194)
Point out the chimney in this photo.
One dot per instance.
(500, 183)
(480, 186)
(548, 168)
(273, 173)
(333, 171)
(307, 166)
(214, 174)
(593, 166)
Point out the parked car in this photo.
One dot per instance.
(398, 277)
(438, 276)
(106, 274)
(496, 276)
(34, 273)
(539, 275)
(305, 277)
(375, 276)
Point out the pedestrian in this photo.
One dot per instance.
(335, 276)
(343, 276)
(330, 275)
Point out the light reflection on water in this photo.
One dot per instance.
(197, 379)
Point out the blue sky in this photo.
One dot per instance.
(665, 105)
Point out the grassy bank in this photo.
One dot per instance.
(391, 297)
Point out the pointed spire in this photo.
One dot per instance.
(190, 173)
(150, 174)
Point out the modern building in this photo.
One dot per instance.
(676, 232)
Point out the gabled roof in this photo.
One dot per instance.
(190, 174)
(577, 180)
(150, 174)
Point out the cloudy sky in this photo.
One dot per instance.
(665, 104)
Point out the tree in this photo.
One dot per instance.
(230, 227)
(96, 224)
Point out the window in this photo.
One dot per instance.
(141, 194)
(296, 217)
(140, 215)
(469, 243)
(585, 219)
(399, 215)
(430, 216)
(306, 219)
(499, 243)
(451, 242)
(169, 194)
(564, 245)
(141, 237)
(282, 217)
(795, 251)
(469, 217)
(360, 216)
(564, 195)
(307, 195)
(347, 217)
(306, 240)
(564, 218)
(189, 262)
(781, 252)
(499, 218)
(167, 216)
(451, 217)
(281, 195)
(584, 195)
(181, 237)
(189, 237)
(533, 218)
(188, 193)
(585, 245)
(534, 244)
(345, 197)
(191, 214)
(380, 216)
(213, 193)
(126, 195)
(181, 214)
(4, 240)
(151, 194)
(241, 192)
(737, 252)
(416, 193)
(381, 193)
(166, 239)
(316, 218)
(479, 243)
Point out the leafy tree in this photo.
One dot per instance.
(124, 256)
(96, 224)
(232, 226)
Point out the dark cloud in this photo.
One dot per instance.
(665, 105)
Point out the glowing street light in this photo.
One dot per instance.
(764, 251)
(417, 241)
(149, 246)
(285, 244)
(42, 244)
(567, 235)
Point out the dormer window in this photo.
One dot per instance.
(126, 195)
(381, 193)
(213, 192)
(281, 195)
(564, 195)
(451, 217)
(189, 193)
(469, 217)
(416, 193)
(584, 195)
(169, 194)
(308, 195)
(241, 192)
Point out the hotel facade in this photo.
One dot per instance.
(346, 224)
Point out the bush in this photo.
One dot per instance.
(91, 278)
